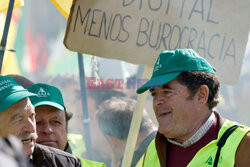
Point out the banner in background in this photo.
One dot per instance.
(137, 31)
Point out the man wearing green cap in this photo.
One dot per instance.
(51, 116)
(52, 119)
(17, 117)
(185, 92)
(15, 105)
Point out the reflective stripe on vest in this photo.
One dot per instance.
(205, 156)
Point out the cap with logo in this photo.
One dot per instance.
(11, 92)
(171, 63)
(46, 95)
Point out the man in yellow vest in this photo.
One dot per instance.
(185, 91)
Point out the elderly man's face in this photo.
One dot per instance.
(51, 127)
(19, 120)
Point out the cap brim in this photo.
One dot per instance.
(156, 81)
(14, 98)
(49, 103)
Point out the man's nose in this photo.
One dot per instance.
(159, 99)
(30, 126)
(46, 128)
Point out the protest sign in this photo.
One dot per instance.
(136, 31)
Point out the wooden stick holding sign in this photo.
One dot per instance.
(135, 123)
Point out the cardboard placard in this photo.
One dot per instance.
(136, 31)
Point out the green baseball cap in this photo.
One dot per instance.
(46, 95)
(11, 92)
(171, 63)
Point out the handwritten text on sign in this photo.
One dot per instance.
(138, 30)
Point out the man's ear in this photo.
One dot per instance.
(202, 94)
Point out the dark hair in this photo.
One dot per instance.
(114, 117)
(21, 80)
(68, 116)
(194, 79)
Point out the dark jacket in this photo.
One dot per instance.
(44, 156)
(68, 148)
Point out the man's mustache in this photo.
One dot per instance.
(28, 135)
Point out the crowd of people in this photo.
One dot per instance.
(190, 131)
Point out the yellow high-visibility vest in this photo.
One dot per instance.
(88, 163)
(205, 156)
(77, 144)
(78, 148)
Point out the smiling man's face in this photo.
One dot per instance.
(174, 109)
(19, 120)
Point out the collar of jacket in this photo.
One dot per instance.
(68, 148)
(38, 156)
